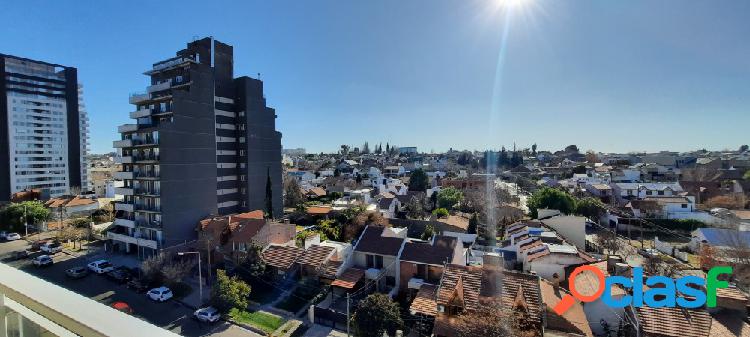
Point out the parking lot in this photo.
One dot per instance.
(170, 315)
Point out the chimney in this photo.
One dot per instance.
(492, 261)
(556, 282)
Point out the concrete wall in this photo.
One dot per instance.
(571, 228)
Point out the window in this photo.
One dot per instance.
(661, 192)
(684, 205)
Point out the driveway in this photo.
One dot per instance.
(170, 315)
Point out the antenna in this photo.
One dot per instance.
(258, 75)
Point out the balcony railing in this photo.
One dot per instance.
(124, 207)
(159, 86)
(125, 222)
(146, 158)
(147, 223)
(137, 141)
(138, 97)
(127, 128)
(147, 208)
(124, 190)
(132, 239)
(124, 160)
(147, 191)
(122, 143)
(146, 175)
(140, 113)
(123, 175)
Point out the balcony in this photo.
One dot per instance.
(140, 113)
(124, 160)
(134, 240)
(147, 208)
(123, 175)
(146, 175)
(146, 158)
(125, 223)
(147, 192)
(118, 144)
(127, 128)
(138, 98)
(168, 64)
(124, 207)
(124, 190)
(159, 87)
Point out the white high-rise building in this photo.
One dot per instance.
(43, 128)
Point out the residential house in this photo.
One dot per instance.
(377, 251)
(72, 206)
(281, 260)
(388, 207)
(631, 191)
(573, 322)
(314, 259)
(422, 262)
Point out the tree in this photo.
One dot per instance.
(591, 157)
(379, 149)
(747, 175)
(360, 220)
(164, 268)
(229, 292)
(428, 232)
(552, 199)
(293, 196)
(449, 197)
(492, 321)
(533, 150)
(336, 172)
(269, 194)
(591, 208)
(377, 314)
(580, 169)
(727, 201)
(433, 199)
(440, 212)
(418, 180)
(415, 209)
(14, 216)
(465, 159)
(473, 224)
(366, 148)
(744, 148)
(571, 149)
(344, 150)
(252, 266)
(387, 148)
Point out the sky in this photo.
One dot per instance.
(612, 76)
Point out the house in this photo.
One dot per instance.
(377, 251)
(571, 323)
(550, 261)
(719, 238)
(669, 321)
(315, 192)
(631, 191)
(597, 311)
(464, 289)
(602, 192)
(676, 207)
(388, 207)
(72, 206)
(301, 176)
(314, 259)
(281, 260)
(422, 262)
(394, 171)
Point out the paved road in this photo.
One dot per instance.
(170, 315)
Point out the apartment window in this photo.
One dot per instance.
(684, 205)
(660, 192)
(374, 261)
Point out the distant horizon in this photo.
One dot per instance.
(608, 76)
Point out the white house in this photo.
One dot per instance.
(630, 191)
(377, 251)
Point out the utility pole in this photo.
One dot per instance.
(26, 221)
(347, 315)
(208, 259)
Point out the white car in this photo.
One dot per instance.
(160, 294)
(101, 266)
(51, 248)
(13, 236)
(41, 261)
(207, 314)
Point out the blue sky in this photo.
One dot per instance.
(606, 75)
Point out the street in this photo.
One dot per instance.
(170, 315)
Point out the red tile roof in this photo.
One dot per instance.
(318, 210)
(673, 322)
(424, 303)
(573, 321)
(349, 278)
(315, 256)
(282, 257)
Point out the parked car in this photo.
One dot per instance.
(160, 294)
(13, 237)
(122, 306)
(101, 266)
(42, 261)
(36, 245)
(650, 252)
(137, 285)
(19, 255)
(207, 314)
(119, 275)
(51, 247)
(77, 272)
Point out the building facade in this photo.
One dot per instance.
(44, 128)
(203, 143)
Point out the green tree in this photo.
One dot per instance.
(80, 222)
(269, 194)
(533, 150)
(429, 231)
(377, 314)
(418, 180)
(415, 209)
(552, 199)
(591, 208)
(14, 216)
(441, 212)
(449, 197)
(747, 175)
(229, 292)
(293, 196)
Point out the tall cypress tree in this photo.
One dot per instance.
(269, 194)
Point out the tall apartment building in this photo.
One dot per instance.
(203, 143)
(43, 128)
